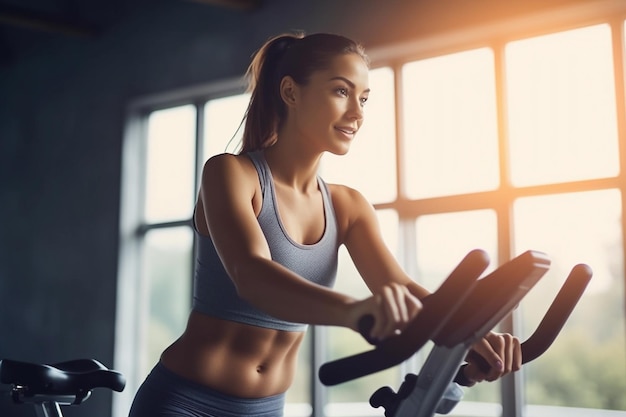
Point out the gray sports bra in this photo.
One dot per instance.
(214, 293)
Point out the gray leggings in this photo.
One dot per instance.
(166, 394)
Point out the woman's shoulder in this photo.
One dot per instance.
(226, 159)
(352, 209)
(228, 163)
(229, 171)
(349, 204)
(343, 194)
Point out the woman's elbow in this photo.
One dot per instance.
(244, 275)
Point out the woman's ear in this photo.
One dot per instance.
(288, 90)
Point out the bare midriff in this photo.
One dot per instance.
(234, 358)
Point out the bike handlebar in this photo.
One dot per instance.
(551, 324)
(450, 315)
(558, 313)
(436, 311)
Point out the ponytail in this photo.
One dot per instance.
(262, 115)
(294, 55)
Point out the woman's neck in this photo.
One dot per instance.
(293, 167)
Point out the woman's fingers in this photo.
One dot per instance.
(392, 306)
(396, 308)
(380, 318)
(475, 371)
(514, 354)
(414, 305)
(502, 352)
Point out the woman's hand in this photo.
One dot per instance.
(392, 308)
(501, 351)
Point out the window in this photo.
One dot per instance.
(562, 116)
(508, 144)
(563, 128)
(580, 227)
(451, 142)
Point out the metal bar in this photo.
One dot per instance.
(48, 409)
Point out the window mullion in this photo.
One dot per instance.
(618, 44)
(400, 137)
(511, 386)
(200, 123)
(131, 286)
(199, 164)
(407, 256)
(319, 393)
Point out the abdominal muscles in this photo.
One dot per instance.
(234, 358)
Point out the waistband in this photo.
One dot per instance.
(208, 399)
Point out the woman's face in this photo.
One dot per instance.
(329, 109)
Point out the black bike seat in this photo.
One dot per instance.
(64, 378)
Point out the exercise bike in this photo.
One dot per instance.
(48, 387)
(461, 312)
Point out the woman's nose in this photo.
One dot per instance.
(356, 110)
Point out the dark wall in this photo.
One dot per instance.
(61, 122)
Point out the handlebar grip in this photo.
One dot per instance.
(494, 297)
(365, 325)
(558, 313)
(438, 307)
(551, 324)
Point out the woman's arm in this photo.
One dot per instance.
(229, 184)
(393, 289)
(363, 239)
(379, 268)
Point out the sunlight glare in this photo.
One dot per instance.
(170, 167)
(561, 102)
(450, 124)
(222, 118)
(573, 228)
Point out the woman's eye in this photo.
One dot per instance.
(342, 91)
(363, 101)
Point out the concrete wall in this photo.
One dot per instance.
(61, 122)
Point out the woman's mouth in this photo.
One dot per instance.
(348, 132)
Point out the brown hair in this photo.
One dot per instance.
(294, 55)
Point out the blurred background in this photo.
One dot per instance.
(498, 125)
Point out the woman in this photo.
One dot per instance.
(269, 230)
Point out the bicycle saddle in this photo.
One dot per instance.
(74, 378)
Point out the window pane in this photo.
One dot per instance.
(170, 164)
(343, 342)
(370, 165)
(167, 271)
(586, 365)
(222, 119)
(443, 240)
(561, 102)
(450, 125)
